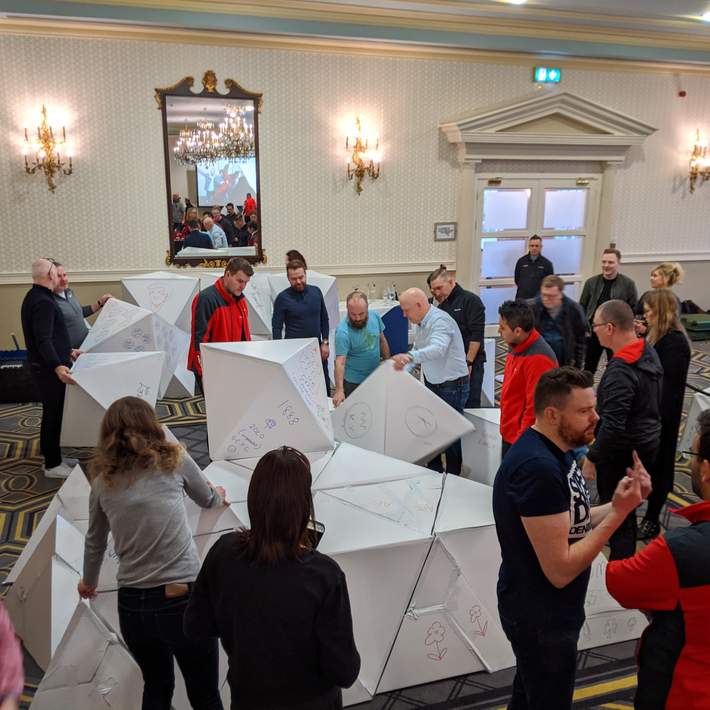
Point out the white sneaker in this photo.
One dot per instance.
(61, 471)
(70, 462)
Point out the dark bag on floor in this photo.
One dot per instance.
(16, 385)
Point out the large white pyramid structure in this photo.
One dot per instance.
(261, 395)
(393, 413)
(167, 294)
(90, 670)
(123, 327)
(101, 379)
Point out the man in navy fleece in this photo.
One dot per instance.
(300, 312)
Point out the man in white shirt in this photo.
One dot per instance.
(219, 238)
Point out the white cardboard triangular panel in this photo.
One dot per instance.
(417, 423)
(260, 303)
(699, 403)
(102, 378)
(481, 448)
(182, 382)
(167, 294)
(261, 395)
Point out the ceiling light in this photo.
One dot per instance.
(517, 2)
(706, 16)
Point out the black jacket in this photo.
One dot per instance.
(46, 334)
(628, 403)
(623, 289)
(573, 325)
(468, 311)
(529, 275)
(198, 239)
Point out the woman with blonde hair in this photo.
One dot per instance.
(139, 481)
(665, 275)
(668, 337)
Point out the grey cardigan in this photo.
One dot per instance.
(74, 314)
(623, 289)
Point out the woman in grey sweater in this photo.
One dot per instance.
(139, 480)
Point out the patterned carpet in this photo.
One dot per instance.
(606, 676)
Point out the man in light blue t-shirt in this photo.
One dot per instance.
(360, 344)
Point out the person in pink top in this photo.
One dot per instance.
(12, 679)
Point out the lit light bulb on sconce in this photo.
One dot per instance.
(363, 155)
(43, 147)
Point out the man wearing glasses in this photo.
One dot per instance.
(50, 356)
(629, 407)
(670, 579)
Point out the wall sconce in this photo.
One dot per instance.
(699, 162)
(362, 160)
(44, 152)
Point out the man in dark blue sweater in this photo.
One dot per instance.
(50, 354)
(300, 312)
(196, 238)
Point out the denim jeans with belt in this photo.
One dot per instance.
(151, 626)
(455, 394)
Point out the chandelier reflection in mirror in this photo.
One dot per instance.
(233, 139)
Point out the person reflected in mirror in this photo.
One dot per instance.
(196, 237)
(191, 215)
(300, 312)
(220, 313)
(280, 608)
(665, 275)
(139, 481)
(531, 269)
(293, 255)
(178, 212)
(241, 233)
(249, 206)
(217, 235)
(438, 348)
(73, 312)
(360, 345)
(224, 223)
(253, 232)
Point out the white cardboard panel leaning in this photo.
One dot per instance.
(489, 371)
(285, 406)
(699, 403)
(182, 382)
(260, 303)
(481, 448)
(102, 378)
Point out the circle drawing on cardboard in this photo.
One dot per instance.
(420, 421)
(358, 420)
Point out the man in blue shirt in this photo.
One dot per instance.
(549, 536)
(438, 347)
(300, 312)
(196, 238)
(360, 344)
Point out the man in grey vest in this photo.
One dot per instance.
(73, 312)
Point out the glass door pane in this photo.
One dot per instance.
(565, 253)
(565, 208)
(498, 257)
(505, 209)
(493, 297)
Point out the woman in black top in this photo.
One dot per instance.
(666, 334)
(280, 608)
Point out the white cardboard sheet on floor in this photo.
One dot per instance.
(102, 378)
(90, 670)
(42, 599)
(123, 327)
(699, 403)
(481, 448)
(261, 395)
(167, 294)
(393, 413)
(71, 502)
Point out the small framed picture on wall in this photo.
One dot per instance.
(444, 231)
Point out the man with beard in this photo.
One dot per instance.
(549, 536)
(670, 579)
(300, 312)
(360, 344)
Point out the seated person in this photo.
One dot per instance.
(280, 609)
(217, 235)
(196, 238)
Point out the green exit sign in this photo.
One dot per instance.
(547, 75)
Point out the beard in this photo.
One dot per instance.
(358, 326)
(575, 437)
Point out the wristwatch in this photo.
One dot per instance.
(324, 342)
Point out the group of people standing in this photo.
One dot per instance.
(239, 227)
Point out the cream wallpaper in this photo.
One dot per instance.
(110, 214)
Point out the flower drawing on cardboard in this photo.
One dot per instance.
(435, 637)
(480, 625)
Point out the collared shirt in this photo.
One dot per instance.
(219, 238)
(438, 347)
(300, 314)
(468, 311)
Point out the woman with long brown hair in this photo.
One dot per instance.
(666, 334)
(280, 608)
(139, 481)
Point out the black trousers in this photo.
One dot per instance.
(51, 391)
(622, 543)
(350, 387)
(663, 471)
(475, 386)
(594, 352)
(152, 629)
(545, 662)
(327, 378)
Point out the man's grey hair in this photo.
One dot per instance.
(41, 269)
(354, 295)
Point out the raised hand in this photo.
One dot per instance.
(639, 472)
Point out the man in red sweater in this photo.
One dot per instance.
(670, 580)
(528, 358)
(220, 313)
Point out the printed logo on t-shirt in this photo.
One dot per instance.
(579, 507)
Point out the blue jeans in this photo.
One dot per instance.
(152, 629)
(455, 394)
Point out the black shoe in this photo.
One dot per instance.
(647, 530)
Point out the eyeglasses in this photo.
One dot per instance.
(599, 325)
(691, 453)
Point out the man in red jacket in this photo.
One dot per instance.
(670, 579)
(220, 313)
(528, 358)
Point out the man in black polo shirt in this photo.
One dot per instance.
(50, 354)
(531, 269)
(468, 311)
(549, 536)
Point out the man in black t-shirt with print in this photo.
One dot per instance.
(549, 536)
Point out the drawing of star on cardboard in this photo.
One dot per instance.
(265, 394)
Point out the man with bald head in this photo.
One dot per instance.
(438, 348)
(50, 355)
